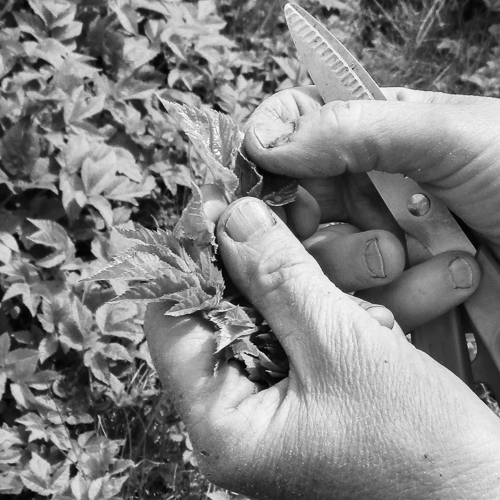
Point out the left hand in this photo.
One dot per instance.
(365, 253)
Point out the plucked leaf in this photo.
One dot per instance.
(160, 237)
(191, 300)
(216, 139)
(233, 323)
(134, 265)
(194, 224)
(158, 289)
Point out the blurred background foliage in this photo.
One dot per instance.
(84, 146)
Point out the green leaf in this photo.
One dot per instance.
(116, 352)
(173, 175)
(156, 290)
(275, 190)
(160, 237)
(120, 320)
(194, 224)
(4, 348)
(126, 15)
(20, 148)
(37, 478)
(191, 300)
(232, 322)
(10, 482)
(103, 206)
(20, 364)
(52, 51)
(3, 382)
(134, 265)
(80, 106)
(61, 478)
(216, 139)
(35, 425)
(52, 234)
(30, 298)
(29, 23)
(98, 365)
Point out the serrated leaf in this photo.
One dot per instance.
(80, 106)
(156, 290)
(173, 175)
(53, 235)
(98, 365)
(79, 487)
(103, 206)
(135, 265)
(48, 347)
(113, 486)
(9, 241)
(10, 483)
(52, 51)
(71, 336)
(37, 478)
(191, 300)
(194, 224)
(123, 189)
(35, 425)
(95, 489)
(20, 364)
(126, 15)
(182, 261)
(29, 23)
(61, 478)
(275, 190)
(232, 324)
(279, 190)
(216, 139)
(159, 237)
(119, 320)
(116, 352)
(250, 179)
(97, 174)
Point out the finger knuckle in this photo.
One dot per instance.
(279, 270)
(359, 131)
(342, 115)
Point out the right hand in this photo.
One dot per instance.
(449, 144)
(362, 414)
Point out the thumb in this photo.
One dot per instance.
(428, 141)
(312, 319)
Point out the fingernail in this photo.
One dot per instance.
(274, 134)
(373, 259)
(461, 273)
(249, 219)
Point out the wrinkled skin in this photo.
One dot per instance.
(362, 414)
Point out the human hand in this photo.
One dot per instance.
(362, 414)
(446, 143)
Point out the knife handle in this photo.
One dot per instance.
(444, 340)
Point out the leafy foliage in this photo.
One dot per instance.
(85, 145)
